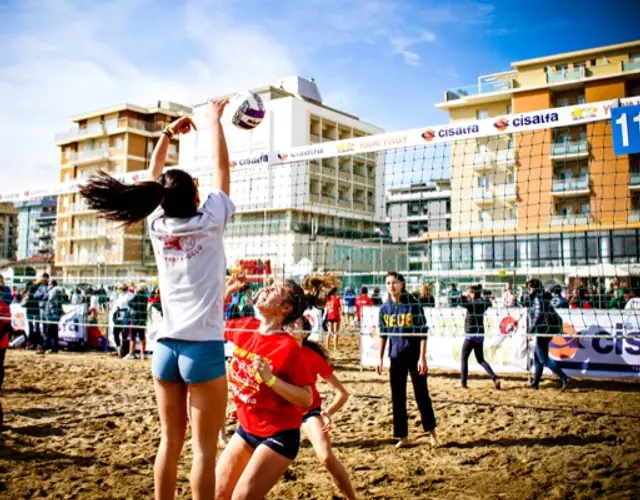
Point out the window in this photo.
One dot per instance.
(580, 99)
(634, 57)
(561, 67)
(625, 247)
(481, 114)
(580, 65)
(483, 181)
(562, 101)
(509, 108)
(481, 147)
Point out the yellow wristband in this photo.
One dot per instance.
(271, 382)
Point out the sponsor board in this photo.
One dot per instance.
(594, 344)
(450, 132)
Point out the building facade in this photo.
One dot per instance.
(314, 214)
(36, 226)
(8, 232)
(116, 140)
(554, 203)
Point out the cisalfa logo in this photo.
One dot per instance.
(429, 135)
(283, 156)
(501, 124)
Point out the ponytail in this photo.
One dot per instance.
(175, 191)
(117, 201)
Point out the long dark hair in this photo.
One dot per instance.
(312, 293)
(175, 191)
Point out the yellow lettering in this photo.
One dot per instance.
(409, 320)
(401, 319)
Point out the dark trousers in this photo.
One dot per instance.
(121, 338)
(35, 336)
(3, 352)
(541, 359)
(477, 347)
(400, 368)
(50, 333)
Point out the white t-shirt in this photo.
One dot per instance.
(634, 303)
(191, 270)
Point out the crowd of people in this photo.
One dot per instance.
(273, 370)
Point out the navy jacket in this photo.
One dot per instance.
(406, 317)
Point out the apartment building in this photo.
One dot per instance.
(117, 140)
(36, 226)
(554, 203)
(8, 232)
(311, 214)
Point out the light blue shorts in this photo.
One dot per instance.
(190, 362)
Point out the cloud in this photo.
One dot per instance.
(402, 44)
(69, 57)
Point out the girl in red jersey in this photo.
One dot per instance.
(270, 384)
(316, 423)
(333, 317)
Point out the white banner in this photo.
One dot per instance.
(580, 351)
(504, 346)
(72, 327)
(591, 356)
(19, 320)
(507, 124)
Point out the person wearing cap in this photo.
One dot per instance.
(544, 322)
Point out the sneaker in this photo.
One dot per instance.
(403, 443)
(130, 357)
(532, 385)
(497, 384)
(566, 384)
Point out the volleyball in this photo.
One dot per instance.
(247, 109)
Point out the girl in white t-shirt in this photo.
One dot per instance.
(188, 358)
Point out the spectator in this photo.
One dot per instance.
(248, 310)
(426, 298)
(453, 296)
(154, 300)
(5, 292)
(362, 300)
(558, 301)
(349, 304)
(334, 317)
(76, 297)
(544, 322)
(122, 319)
(509, 298)
(634, 301)
(375, 296)
(32, 310)
(16, 296)
(52, 315)
(138, 307)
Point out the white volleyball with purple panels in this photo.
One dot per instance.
(247, 109)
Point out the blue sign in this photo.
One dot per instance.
(625, 126)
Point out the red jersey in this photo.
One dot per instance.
(317, 365)
(261, 411)
(333, 309)
(361, 301)
(5, 323)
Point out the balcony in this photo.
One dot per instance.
(486, 85)
(77, 133)
(506, 156)
(572, 186)
(634, 215)
(482, 161)
(634, 180)
(482, 196)
(570, 220)
(570, 149)
(566, 75)
(491, 225)
(506, 192)
(631, 66)
(89, 156)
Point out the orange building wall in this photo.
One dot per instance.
(534, 171)
(609, 173)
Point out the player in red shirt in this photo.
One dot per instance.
(271, 385)
(316, 423)
(5, 332)
(361, 301)
(334, 315)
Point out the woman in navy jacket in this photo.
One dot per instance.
(402, 318)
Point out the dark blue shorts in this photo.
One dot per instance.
(285, 443)
(316, 412)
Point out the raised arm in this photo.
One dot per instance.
(182, 125)
(219, 151)
(342, 395)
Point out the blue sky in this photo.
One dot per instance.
(387, 61)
